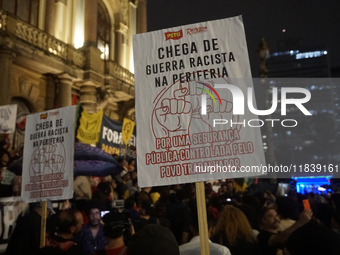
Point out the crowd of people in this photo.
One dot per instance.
(243, 219)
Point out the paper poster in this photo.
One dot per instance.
(189, 127)
(48, 155)
(8, 115)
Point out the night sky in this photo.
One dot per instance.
(315, 23)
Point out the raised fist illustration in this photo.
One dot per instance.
(174, 113)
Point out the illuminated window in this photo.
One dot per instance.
(27, 10)
(103, 31)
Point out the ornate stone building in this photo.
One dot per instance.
(53, 52)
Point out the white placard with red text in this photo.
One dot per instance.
(186, 126)
(48, 155)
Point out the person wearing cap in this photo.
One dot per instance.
(117, 229)
(25, 238)
(92, 237)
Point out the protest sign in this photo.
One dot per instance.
(186, 81)
(48, 155)
(112, 135)
(127, 130)
(89, 128)
(8, 115)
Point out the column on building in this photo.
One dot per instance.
(64, 97)
(50, 17)
(88, 96)
(6, 60)
(60, 19)
(141, 17)
(121, 46)
(91, 22)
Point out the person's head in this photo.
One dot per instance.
(69, 221)
(93, 210)
(94, 217)
(233, 223)
(126, 177)
(194, 228)
(313, 239)
(287, 208)
(116, 225)
(5, 157)
(146, 207)
(147, 189)
(122, 161)
(153, 239)
(105, 189)
(132, 163)
(269, 219)
(230, 185)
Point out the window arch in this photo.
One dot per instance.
(27, 10)
(103, 31)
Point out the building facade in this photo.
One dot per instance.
(54, 53)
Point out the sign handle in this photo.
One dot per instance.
(43, 224)
(202, 218)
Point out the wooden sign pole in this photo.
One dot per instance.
(202, 218)
(43, 224)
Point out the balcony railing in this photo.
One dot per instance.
(50, 45)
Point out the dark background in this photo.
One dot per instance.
(314, 23)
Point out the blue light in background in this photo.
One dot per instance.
(308, 184)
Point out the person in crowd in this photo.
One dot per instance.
(179, 213)
(25, 238)
(145, 215)
(193, 246)
(67, 224)
(104, 193)
(6, 176)
(91, 238)
(144, 195)
(313, 239)
(270, 238)
(131, 164)
(5, 158)
(126, 183)
(252, 216)
(161, 214)
(233, 230)
(82, 188)
(268, 198)
(287, 208)
(117, 230)
(153, 239)
(133, 189)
